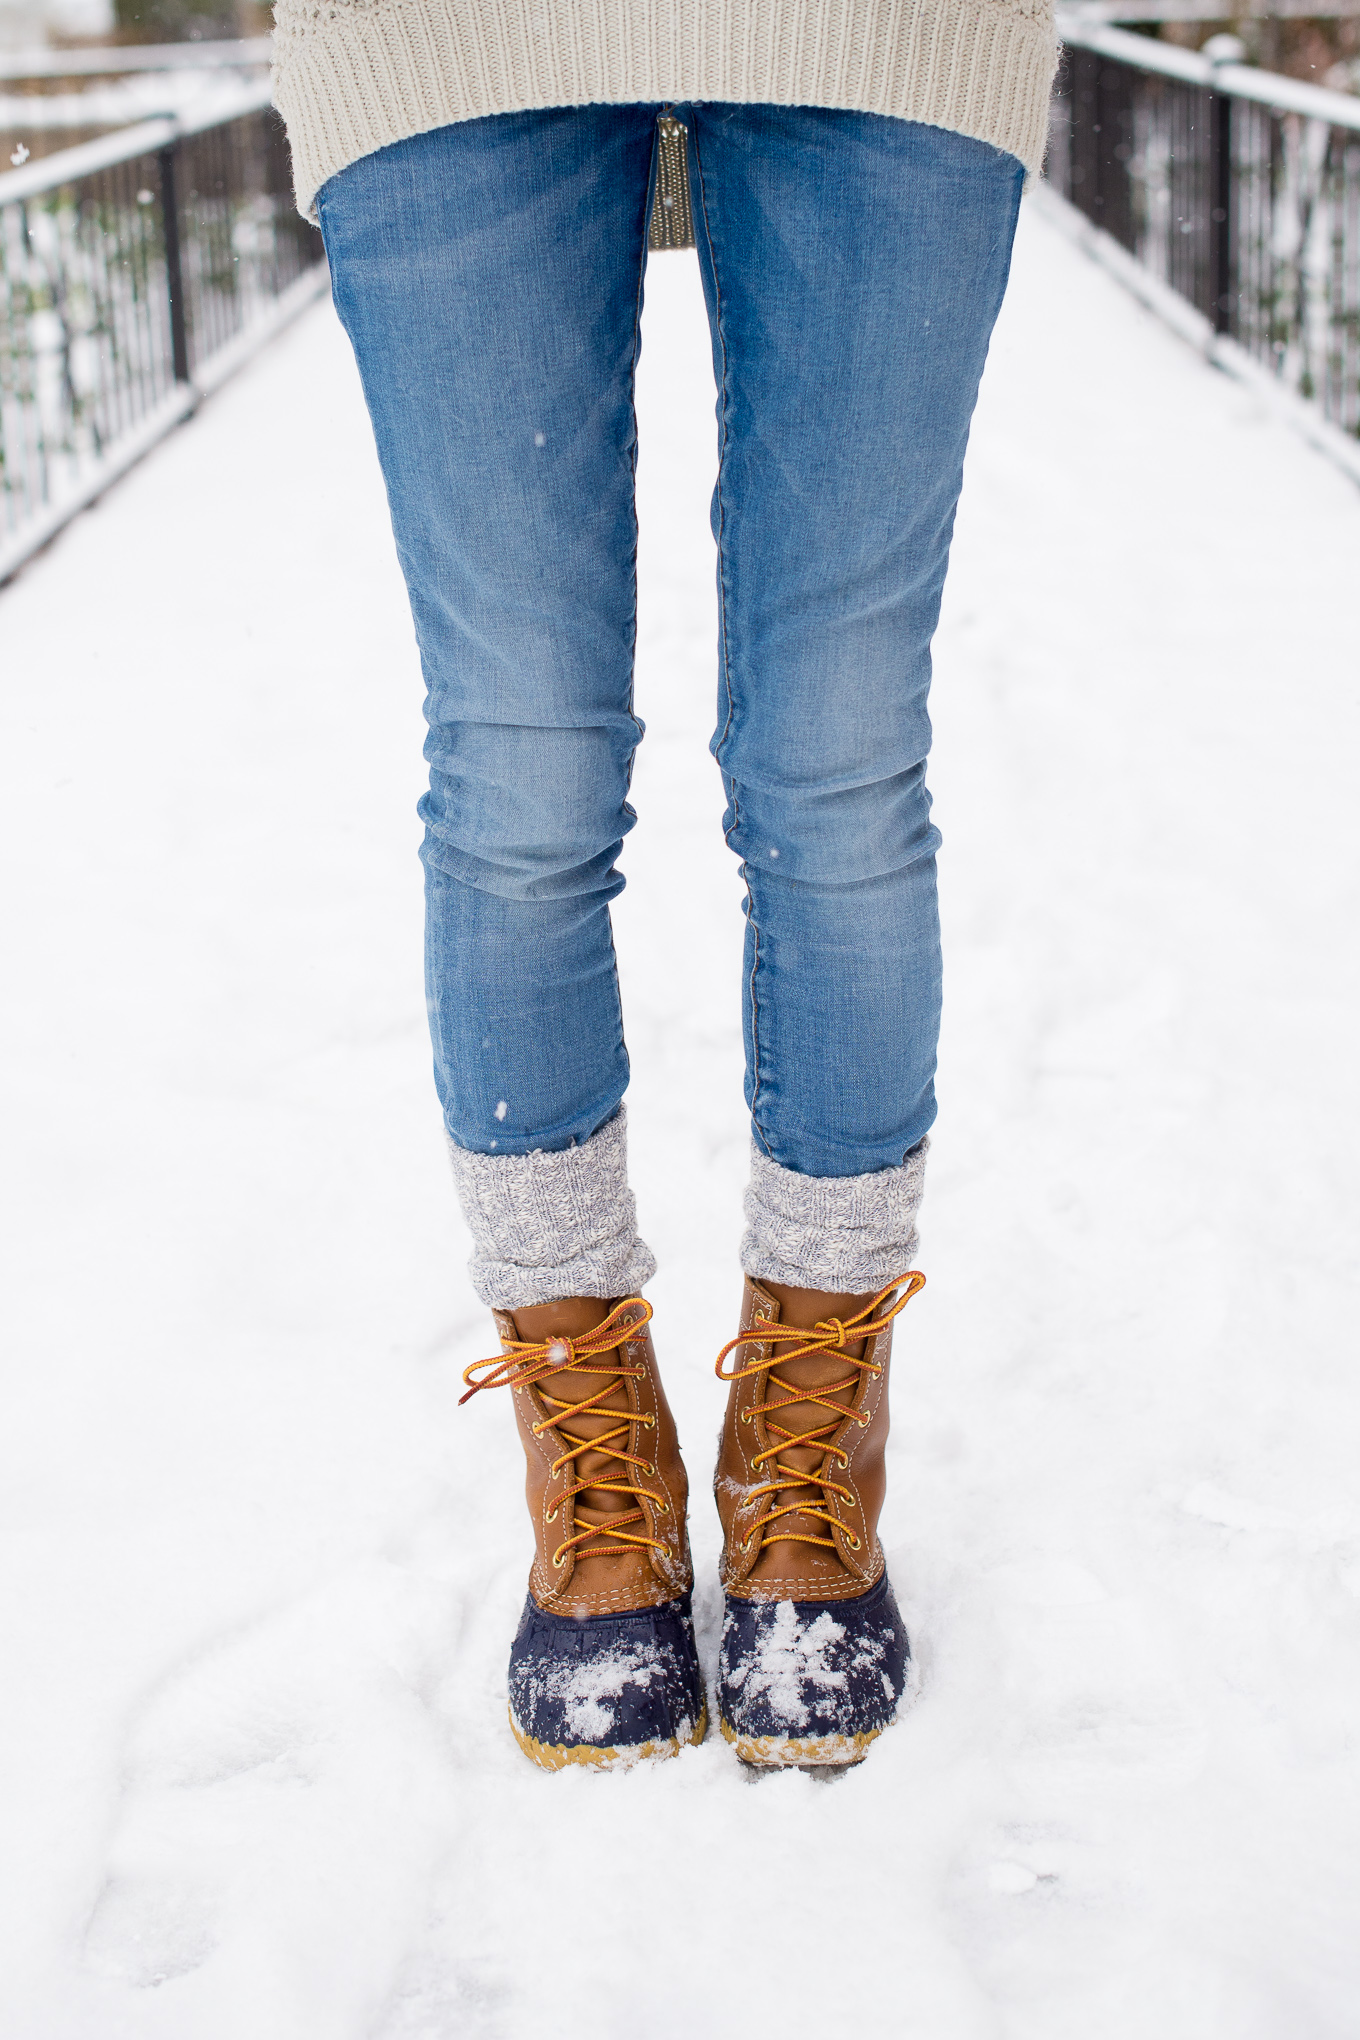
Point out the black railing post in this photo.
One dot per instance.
(174, 270)
(1085, 133)
(1220, 212)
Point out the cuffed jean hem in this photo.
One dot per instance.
(842, 1233)
(551, 1225)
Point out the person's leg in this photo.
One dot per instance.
(854, 267)
(489, 275)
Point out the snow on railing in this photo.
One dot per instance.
(251, 52)
(1236, 188)
(136, 271)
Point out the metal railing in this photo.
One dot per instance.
(110, 62)
(135, 272)
(1238, 189)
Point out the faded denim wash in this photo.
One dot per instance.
(490, 277)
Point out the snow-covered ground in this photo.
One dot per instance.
(260, 1572)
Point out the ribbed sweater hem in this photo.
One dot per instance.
(352, 76)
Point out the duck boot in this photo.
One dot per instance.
(603, 1668)
(814, 1657)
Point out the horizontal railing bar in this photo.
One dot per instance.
(250, 96)
(1237, 81)
(1290, 95)
(32, 113)
(1139, 50)
(124, 144)
(67, 165)
(185, 56)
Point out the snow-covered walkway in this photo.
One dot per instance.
(260, 1572)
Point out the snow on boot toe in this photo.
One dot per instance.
(605, 1690)
(811, 1682)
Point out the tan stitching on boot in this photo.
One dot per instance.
(815, 1584)
(603, 1601)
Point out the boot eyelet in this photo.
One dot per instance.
(551, 1516)
(558, 1563)
(661, 1509)
(647, 1467)
(746, 1416)
(853, 1542)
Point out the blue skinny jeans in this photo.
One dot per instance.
(490, 277)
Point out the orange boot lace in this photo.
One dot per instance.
(525, 1364)
(788, 1489)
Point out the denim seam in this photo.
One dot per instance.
(633, 558)
(722, 458)
(726, 652)
(633, 452)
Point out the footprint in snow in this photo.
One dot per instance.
(147, 1930)
(434, 1999)
(284, 1793)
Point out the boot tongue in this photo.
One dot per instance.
(570, 1319)
(805, 1309)
(819, 1371)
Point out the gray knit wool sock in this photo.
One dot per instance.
(844, 1233)
(550, 1225)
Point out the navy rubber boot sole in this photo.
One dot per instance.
(812, 1683)
(606, 1690)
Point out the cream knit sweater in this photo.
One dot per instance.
(351, 76)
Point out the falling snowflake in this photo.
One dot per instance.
(20, 156)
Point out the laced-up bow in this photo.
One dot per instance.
(829, 1336)
(528, 1364)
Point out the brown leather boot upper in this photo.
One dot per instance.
(605, 1483)
(800, 1477)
